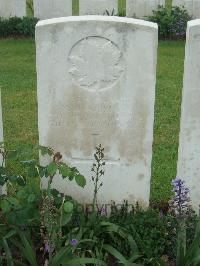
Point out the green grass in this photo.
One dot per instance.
(18, 82)
(167, 116)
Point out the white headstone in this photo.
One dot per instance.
(142, 8)
(196, 8)
(46, 9)
(192, 6)
(98, 7)
(189, 146)
(12, 8)
(2, 189)
(96, 83)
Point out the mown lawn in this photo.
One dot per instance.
(18, 83)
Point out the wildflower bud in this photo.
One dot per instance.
(74, 242)
(57, 157)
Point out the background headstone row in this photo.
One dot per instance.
(44, 9)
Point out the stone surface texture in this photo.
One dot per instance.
(96, 83)
(97, 7)
(189, 147)
(142, 8)
(47, 9)
(12, 8)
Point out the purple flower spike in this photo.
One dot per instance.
(47, 248)
(74, 242)
(103, 211)
(180, 202)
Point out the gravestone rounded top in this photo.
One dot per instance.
(136, 22)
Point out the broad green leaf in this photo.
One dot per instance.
(62, 256)
(45, 150)
(84, 261)
(26, 248)
(41, 170)
(18, 179)
(66, 217)
(2, 180)
(32, 171)
(21, 181)
(52, 168)
(13, 201)
(68, 207)
(31, 198)
(5, 206)
(80, 180)
(10, 233)
(115, 253)
(8, 253)
(64, 170)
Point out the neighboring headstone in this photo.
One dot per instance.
(142, 8)
(2, 189)
(46, 9)
(196, 8)
(192, 6)
(98, 7)
(189, 146)
(12, 8)
(96, 83)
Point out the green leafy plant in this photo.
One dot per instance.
(187, 255)
(53, 215)
(17, 27)
(6, 176)
(45, 227)
(48, 209)
(172, 23)
(95, 233)
(98, 171)
(112, 13)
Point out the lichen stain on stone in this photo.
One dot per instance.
(92, 119)
(141, 176)
(55, 32)
(132, 139)
(133, 199)
(87, 117)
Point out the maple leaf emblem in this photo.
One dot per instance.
(96, 63)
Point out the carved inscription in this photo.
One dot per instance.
(96, 63)
(97, 117)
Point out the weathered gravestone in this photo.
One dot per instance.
(142, 8)
(12, 8)
(98, 7)
(96, 83)
(46, 9)
(192, 6)
(189, 147)
(196, 9)
(2, 189)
